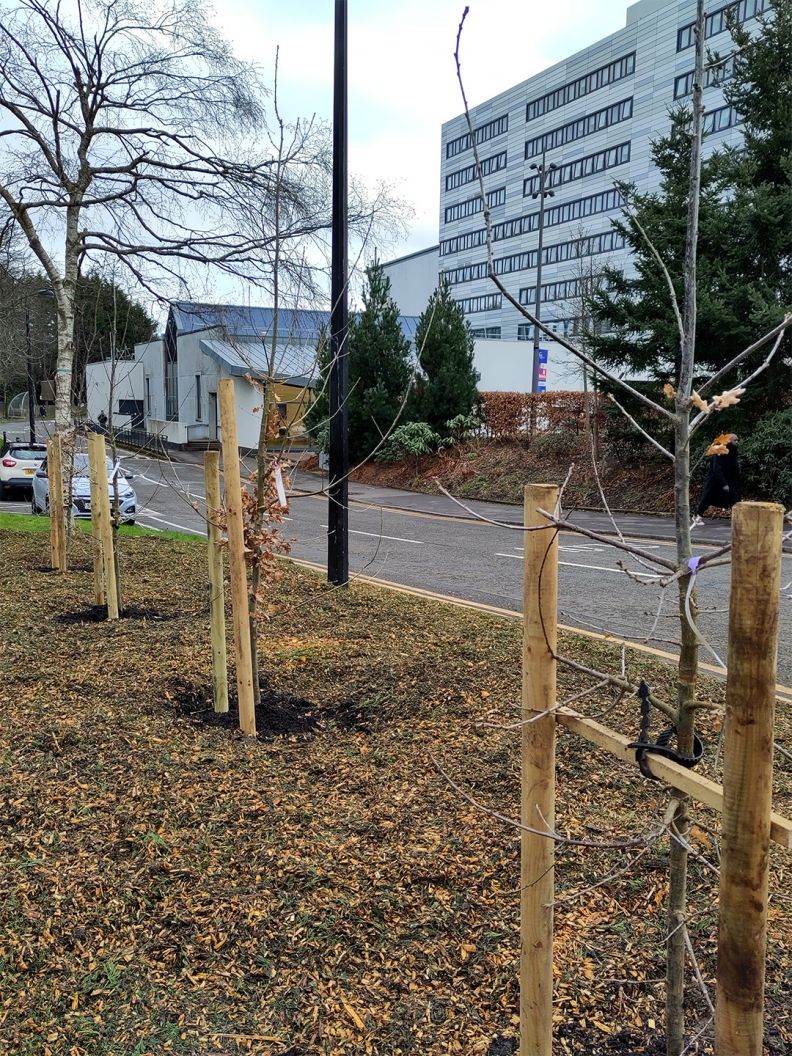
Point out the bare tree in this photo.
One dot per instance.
(130, 130)
(690, 411)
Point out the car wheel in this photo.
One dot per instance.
(33, 507)
(130, 522)
(3, 492)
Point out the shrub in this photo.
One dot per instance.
(409, 440)
(766, 457)
(463, 426)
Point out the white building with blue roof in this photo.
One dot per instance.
(170, 388)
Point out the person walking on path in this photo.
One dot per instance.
(722, 485)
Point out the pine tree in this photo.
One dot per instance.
(445, 344)
(379, 367)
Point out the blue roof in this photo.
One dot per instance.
(239, 320)
(294, 364)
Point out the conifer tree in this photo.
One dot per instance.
(445, 344)
(379, 367)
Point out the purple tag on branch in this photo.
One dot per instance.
(693, 564)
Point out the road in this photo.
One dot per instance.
(465, 558)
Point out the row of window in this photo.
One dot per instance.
(468, 174)
(471, 206)
(567, 93)
(554, 291)
(591, 245)
(724, 71)
(483, 133)
(716, 22)
(568, 327)
(488, 302)
(577, 209)
(489, 333)
(583, 126)
(577, 170)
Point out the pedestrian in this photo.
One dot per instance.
(103, 420)
(722, 485)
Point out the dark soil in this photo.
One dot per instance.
(84, 566)
(278, 714)
(98, 614)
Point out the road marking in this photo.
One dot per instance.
(180, 527)
(596, 568)
(378, 535)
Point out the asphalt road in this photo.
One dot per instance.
(459, 556)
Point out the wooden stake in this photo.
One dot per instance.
(57, 509)
(100, 597)
(747, 776)
(236, 556)
(105, 525)
(216, 586)
(537, 853)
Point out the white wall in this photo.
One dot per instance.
(150, 355)
(249, 411)
(505, 366)
(126, 383)
(413, 279)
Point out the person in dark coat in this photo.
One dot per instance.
(722, 485)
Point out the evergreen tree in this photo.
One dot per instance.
(379, 367)
(744, 276)
(444, 344)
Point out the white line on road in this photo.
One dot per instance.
(179, 527)
(391, 538)
(596, 568)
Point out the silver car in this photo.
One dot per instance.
(81, 490)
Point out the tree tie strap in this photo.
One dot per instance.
(659, 747)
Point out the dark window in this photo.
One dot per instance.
(567, 93)
(582, 126)
(483, 133)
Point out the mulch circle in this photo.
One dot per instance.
(98, 614)
(277, 714)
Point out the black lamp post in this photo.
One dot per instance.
(338, 491)
(542, 171)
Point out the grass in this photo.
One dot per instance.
(24, 522)
(169, 887)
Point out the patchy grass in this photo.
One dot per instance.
(170, 887)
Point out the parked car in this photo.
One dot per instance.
(18, 465)
(81, 490)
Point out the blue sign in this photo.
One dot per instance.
(542, 355)
(541, 387)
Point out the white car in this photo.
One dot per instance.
(18, 465)
(81, 490)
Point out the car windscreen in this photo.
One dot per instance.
(27, 454)
(82, 467)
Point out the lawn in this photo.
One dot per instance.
(170, 887)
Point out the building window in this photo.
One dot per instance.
(604, 202)
(471, 206)
(715, 75)
(487, 303)
(555, 291)
(717, 21)
(488, 333)
(577, 170)
(485, 132)
(567, 93)
(719, 120)
(467, 175)
(148, 397)
(583, 126)
(198, 399)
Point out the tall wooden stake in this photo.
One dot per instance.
(100, 597)
(537, 853)
(105, 527)
(57, 509)
(216, 586)
(236, 557)
(747, 776)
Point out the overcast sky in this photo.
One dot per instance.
(402, 83)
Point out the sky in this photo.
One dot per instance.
(402, 80)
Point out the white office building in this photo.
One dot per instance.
(594, 116)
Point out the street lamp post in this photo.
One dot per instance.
(338, 490)
(542, 170)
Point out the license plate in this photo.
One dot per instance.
(28, 472)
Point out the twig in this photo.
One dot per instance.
(638, 428)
